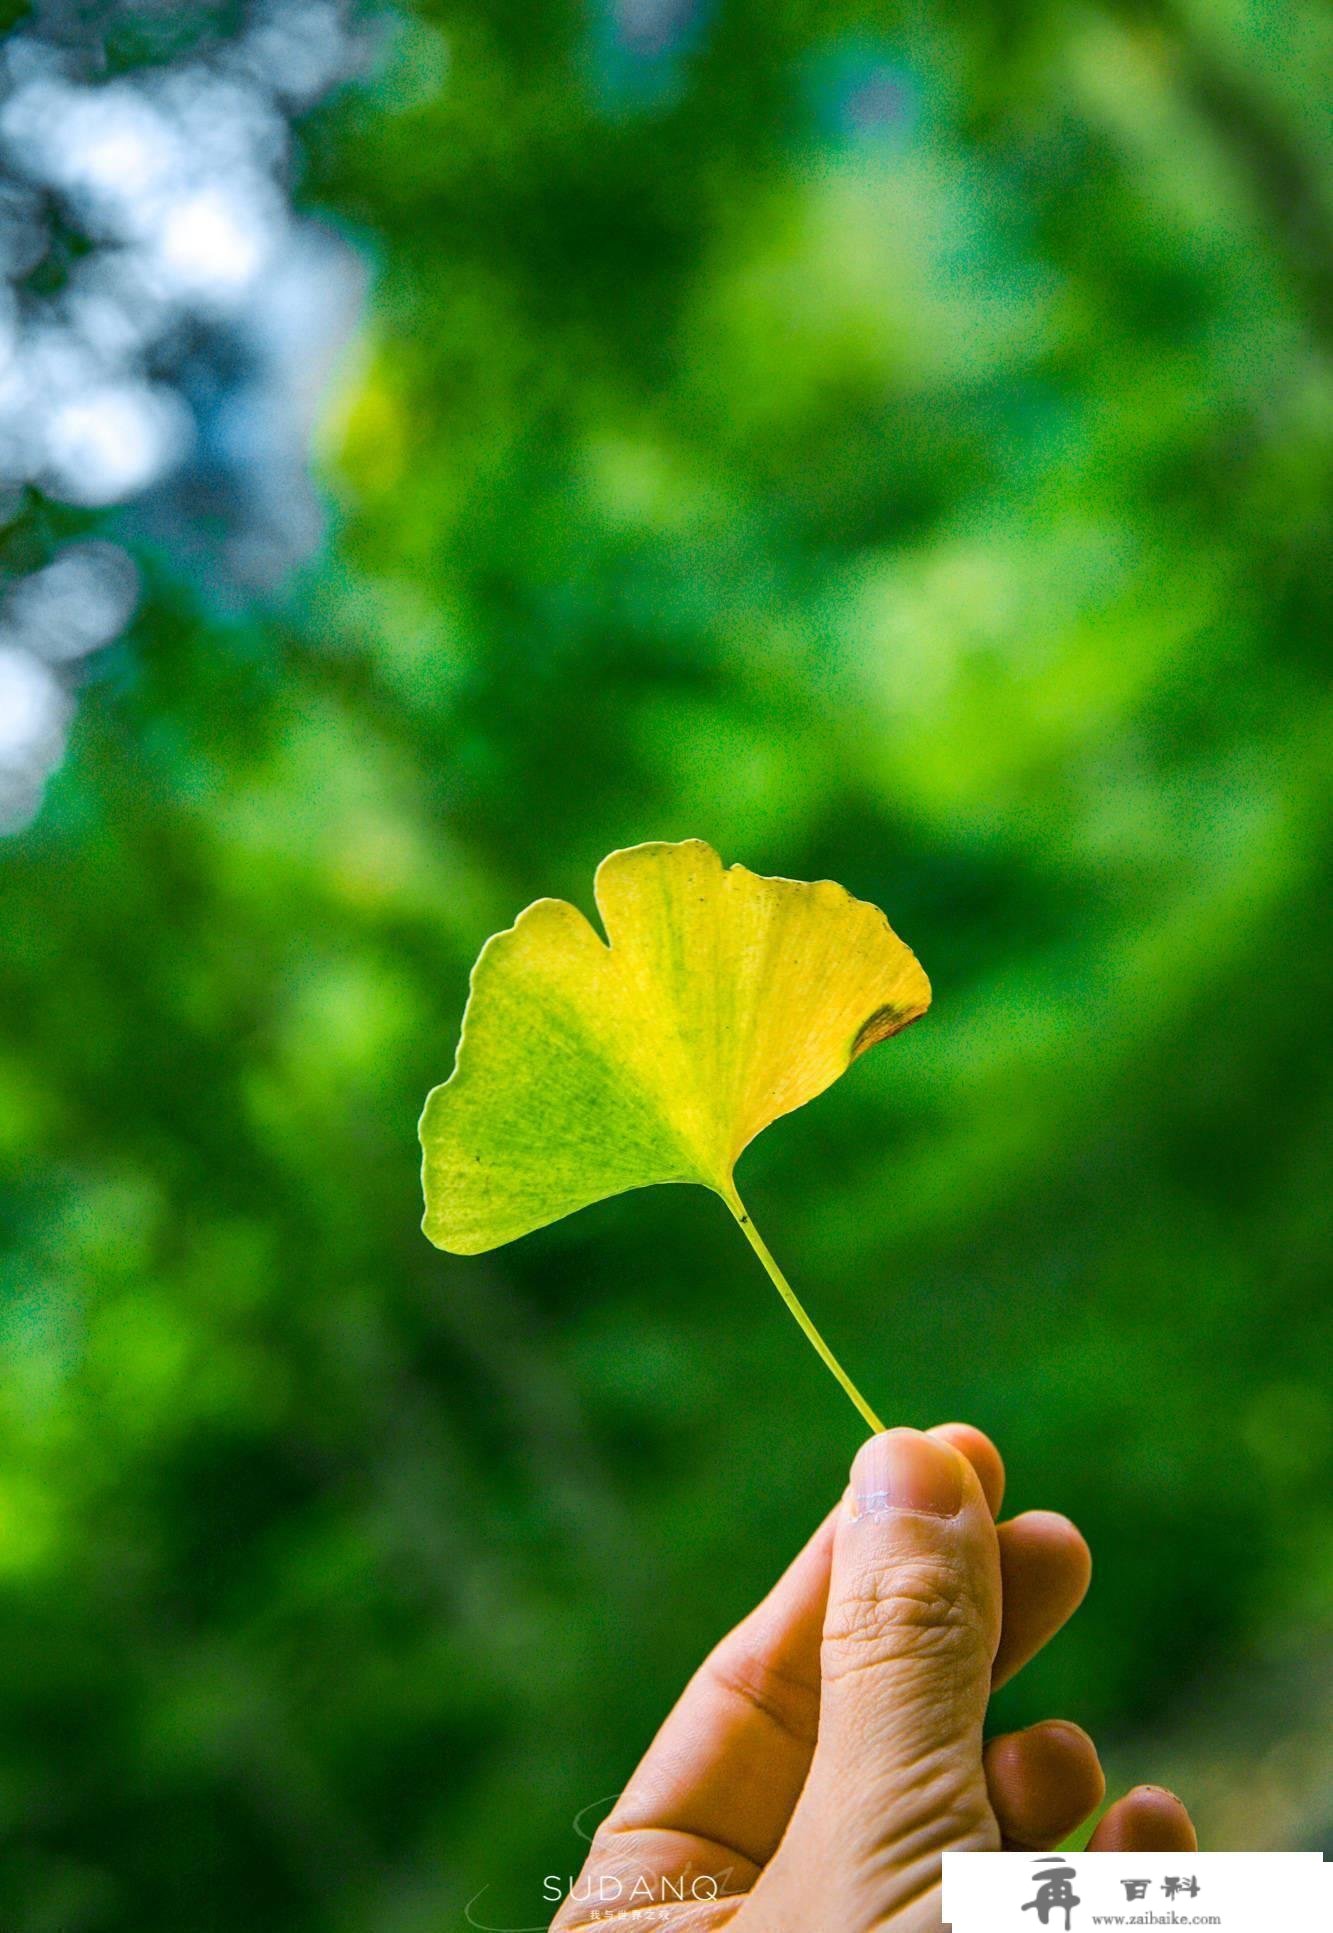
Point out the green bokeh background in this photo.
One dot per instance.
(892, 444)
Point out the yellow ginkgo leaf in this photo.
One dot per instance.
(718, 1001)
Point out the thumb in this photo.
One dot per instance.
(912, 1626)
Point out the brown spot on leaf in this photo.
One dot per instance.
(883, 1022)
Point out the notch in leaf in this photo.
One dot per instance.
(718, 1001)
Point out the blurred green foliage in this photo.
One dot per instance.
(891, 444)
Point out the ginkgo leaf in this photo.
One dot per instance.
(718, 1001)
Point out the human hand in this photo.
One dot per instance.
(829, 1751)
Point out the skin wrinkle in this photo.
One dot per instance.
(933, 1800)
(756, 1686)
(609, 1834)
(932, 1813)
(931, 1598)
(901, 1868)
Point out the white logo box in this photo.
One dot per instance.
(1236, 1892)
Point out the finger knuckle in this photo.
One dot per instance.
(784, 1700)
(924, 1609)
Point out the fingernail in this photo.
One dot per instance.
(904, 1470)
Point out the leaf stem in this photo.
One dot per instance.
(789, 1296)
